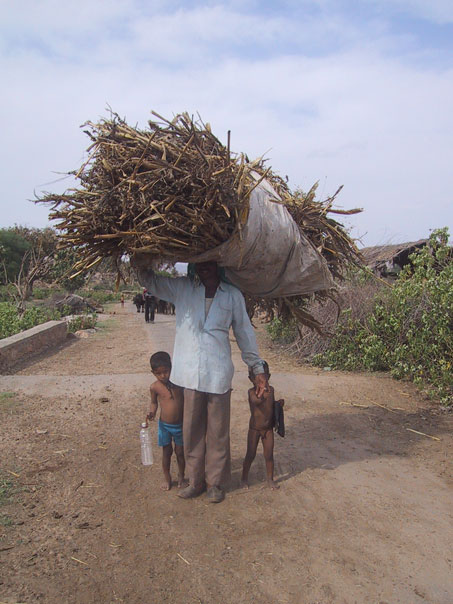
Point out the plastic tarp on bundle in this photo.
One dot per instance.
(272, 258)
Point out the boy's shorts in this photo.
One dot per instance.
(167, 432)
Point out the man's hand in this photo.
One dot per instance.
(281, 401)
(261, 384)
(150, 417)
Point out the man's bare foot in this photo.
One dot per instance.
(182, 482)
(244, 484)
(166, 486)
(272, 484)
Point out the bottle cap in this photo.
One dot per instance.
(144, 425)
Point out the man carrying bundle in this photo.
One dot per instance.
(206, 308)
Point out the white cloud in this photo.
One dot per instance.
(437, 11)
(362, 117)
(57, 17)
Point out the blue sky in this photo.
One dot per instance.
(358, 93)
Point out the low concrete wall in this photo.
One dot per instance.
(29, 343)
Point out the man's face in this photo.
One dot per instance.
(206, 270)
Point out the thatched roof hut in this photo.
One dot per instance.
(388, 260)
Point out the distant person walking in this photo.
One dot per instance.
(150, 306)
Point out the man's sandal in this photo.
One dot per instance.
(215, 495)
(190, 492)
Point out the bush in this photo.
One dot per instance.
(409, 330)
(6, 293)
(87, 321)
(43, 293)
(11, 322)
(100, 296)
(282, 331)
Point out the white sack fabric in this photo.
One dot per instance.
(273, 259)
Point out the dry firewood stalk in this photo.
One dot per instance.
(175, 191)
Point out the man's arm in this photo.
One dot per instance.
(245, 337)
(165, 288)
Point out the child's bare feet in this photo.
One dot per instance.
(166, 486)
(272, 484)
(182, 482)
(244, 484)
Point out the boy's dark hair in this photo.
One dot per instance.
(160, 359)
(265, 367)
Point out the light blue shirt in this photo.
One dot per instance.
(202, 351)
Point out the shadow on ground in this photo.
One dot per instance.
(327, 441)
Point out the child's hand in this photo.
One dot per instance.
(281, 401)
(261, 385)
(150, 417)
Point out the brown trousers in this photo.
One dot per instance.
(206, 432)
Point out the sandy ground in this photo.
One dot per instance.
(363, 515)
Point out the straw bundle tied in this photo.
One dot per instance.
(175, 191)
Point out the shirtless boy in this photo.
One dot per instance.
(261, 426)
(171, 401)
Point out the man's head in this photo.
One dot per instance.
(207, 271)
(161, 366)
(266, 372)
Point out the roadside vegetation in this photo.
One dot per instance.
(35, 278)
(405, 329)
(12, 321)
(85, 321)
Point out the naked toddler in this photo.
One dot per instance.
(261, 427)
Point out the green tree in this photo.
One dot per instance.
(62, 269)
(45, 240)
(26, 255)
(13, 248)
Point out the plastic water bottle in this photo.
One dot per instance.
(145, 442)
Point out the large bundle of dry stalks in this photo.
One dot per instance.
(175, 191)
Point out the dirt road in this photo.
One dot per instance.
(363, 515)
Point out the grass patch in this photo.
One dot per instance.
(107, 324)
(5, 520)
(110, 307)
(7, 490)
(8, 403)
(4, 396)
